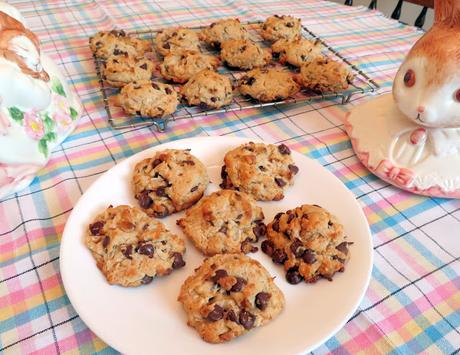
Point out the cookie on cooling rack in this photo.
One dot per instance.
(170, 181)
(171, 40)
(226, 221)
(208, 89)
(117, 42)
(228, 295)
(325, 75)
(244, 54)
(261, 170)
(268, 85)
(223, 30)
(146, 99)
(180, 66)
(120, 70)
(280, 27)
(297, 52)
(310, 243)
(131, 248)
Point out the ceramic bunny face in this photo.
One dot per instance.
(427, 86)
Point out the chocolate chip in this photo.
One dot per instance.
(238, 286)
(96, 227)
(168, 91)
(212, 24)
(156, 162)
(128, 251)
(160, 192)
(303, 57)
(218, 275)
(343, 247)
(216, 314)
(146, 279)
(213, 99)
(289, 24)
(249, 81)
(116, 51)
(144, 199)
(247, 247)
(155, 86)
(231, 316)
(284, 149)
(143, 66)
(106, 241)
(296, 248)
(290, 218)
(194, 188)
(139, 113)
(189, 162)
(260, 230)
(246, 319)
(293, 276)
(293, 168)
(268, 247)
(178, 261)
(279, 256)
(223, 229)
(276, 225)
(166, 45)
(239, 216)
(262, 168)
(330, 224)
(309, 256)
(280, 182)
(98, 44)
(223, 172)
(277, 16)
(146, 249)
(242, 49)
(278, 215)
(262, 299)
(116, 61)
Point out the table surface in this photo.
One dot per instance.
(413, 301)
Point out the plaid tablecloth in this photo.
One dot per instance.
(413, 301)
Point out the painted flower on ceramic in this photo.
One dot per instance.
(61, 103)
(4, 124)
(63, 121)
(33, 125)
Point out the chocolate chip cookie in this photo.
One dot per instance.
(171, 40)
(280, 27)
(131, 248)
(309, 242)
(228, 296)
(261, 170)
(267, 85)
(170, 181)
(224, 222)
(180, 66)
(223, 30)
(297, 52)
(244, 54)
(208, 89)
(324, 75)
(146, 99)
(117, 42)
(119, 70)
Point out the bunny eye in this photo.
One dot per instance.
(457, 95)
(409, 78)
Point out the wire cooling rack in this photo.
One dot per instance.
(119, 120)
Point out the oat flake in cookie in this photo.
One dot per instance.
(170, 181)
(261, 170)
(226, 221)
(229, 295)
(117, 43)
(309, 242)
(146, 99)
(208, 89)
(280, 27)
(131, 248)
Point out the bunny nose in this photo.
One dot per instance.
(420, 109)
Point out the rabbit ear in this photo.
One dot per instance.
(447, 12)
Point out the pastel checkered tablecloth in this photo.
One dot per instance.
(413, 301)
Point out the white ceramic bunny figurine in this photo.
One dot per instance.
(427, 86)
(412, 138)
(37, 109)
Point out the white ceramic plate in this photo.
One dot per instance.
(149, 319)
